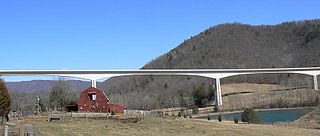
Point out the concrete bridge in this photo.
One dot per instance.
(216, 74)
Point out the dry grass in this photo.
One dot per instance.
(311, 120)
(163, 126)
(238, 101)
(247, 87)
(260, 95)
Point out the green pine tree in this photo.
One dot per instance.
(5, 102)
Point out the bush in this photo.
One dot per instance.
(113, 112)
(219, 117)
(202, 95)
(316, 103)
(250, 116)
(236, 120)
(195, 111)
(179, 114)
(216, 108)
(184, 115)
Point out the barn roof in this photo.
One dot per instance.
(92, 89)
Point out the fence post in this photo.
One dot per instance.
(29, 129)
(21, 131)
(6, 130)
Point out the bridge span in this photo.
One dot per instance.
(216, 74)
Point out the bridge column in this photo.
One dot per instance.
(315, 82)
(94, 83)
(218, 92)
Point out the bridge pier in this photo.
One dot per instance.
(315, 82)
(94, 83)
(218, 94)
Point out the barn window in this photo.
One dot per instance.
(92, 96)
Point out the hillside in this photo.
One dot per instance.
(290, 44)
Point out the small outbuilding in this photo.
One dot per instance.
(95, 100)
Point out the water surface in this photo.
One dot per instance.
(271, 116)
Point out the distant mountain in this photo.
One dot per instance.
(43, 85)
(235, 45)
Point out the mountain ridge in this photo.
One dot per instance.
(34, 86)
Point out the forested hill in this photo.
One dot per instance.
(290, 44)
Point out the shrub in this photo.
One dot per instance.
(316, 103)
(179, 114)
(113, 112)
(203, 95)
(184, 115)
(216, 108)
(167, 114)
(219, 117)
(195, 111)
(236, 120)
(250, 116)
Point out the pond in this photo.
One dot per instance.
(270, 116)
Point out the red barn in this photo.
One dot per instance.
(95, 100)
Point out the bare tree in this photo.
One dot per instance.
(61, 94)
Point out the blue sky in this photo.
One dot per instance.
(118, 34)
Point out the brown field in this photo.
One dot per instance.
(247, 87)
(260, 95)
(162, 126)
(311, 121)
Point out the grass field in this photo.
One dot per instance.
(163, 126)
(238, 101)
(248, 87)
(262, 95)
(311, 120)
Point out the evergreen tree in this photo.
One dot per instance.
(203, 96)
(250, 116)
(5, 101)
